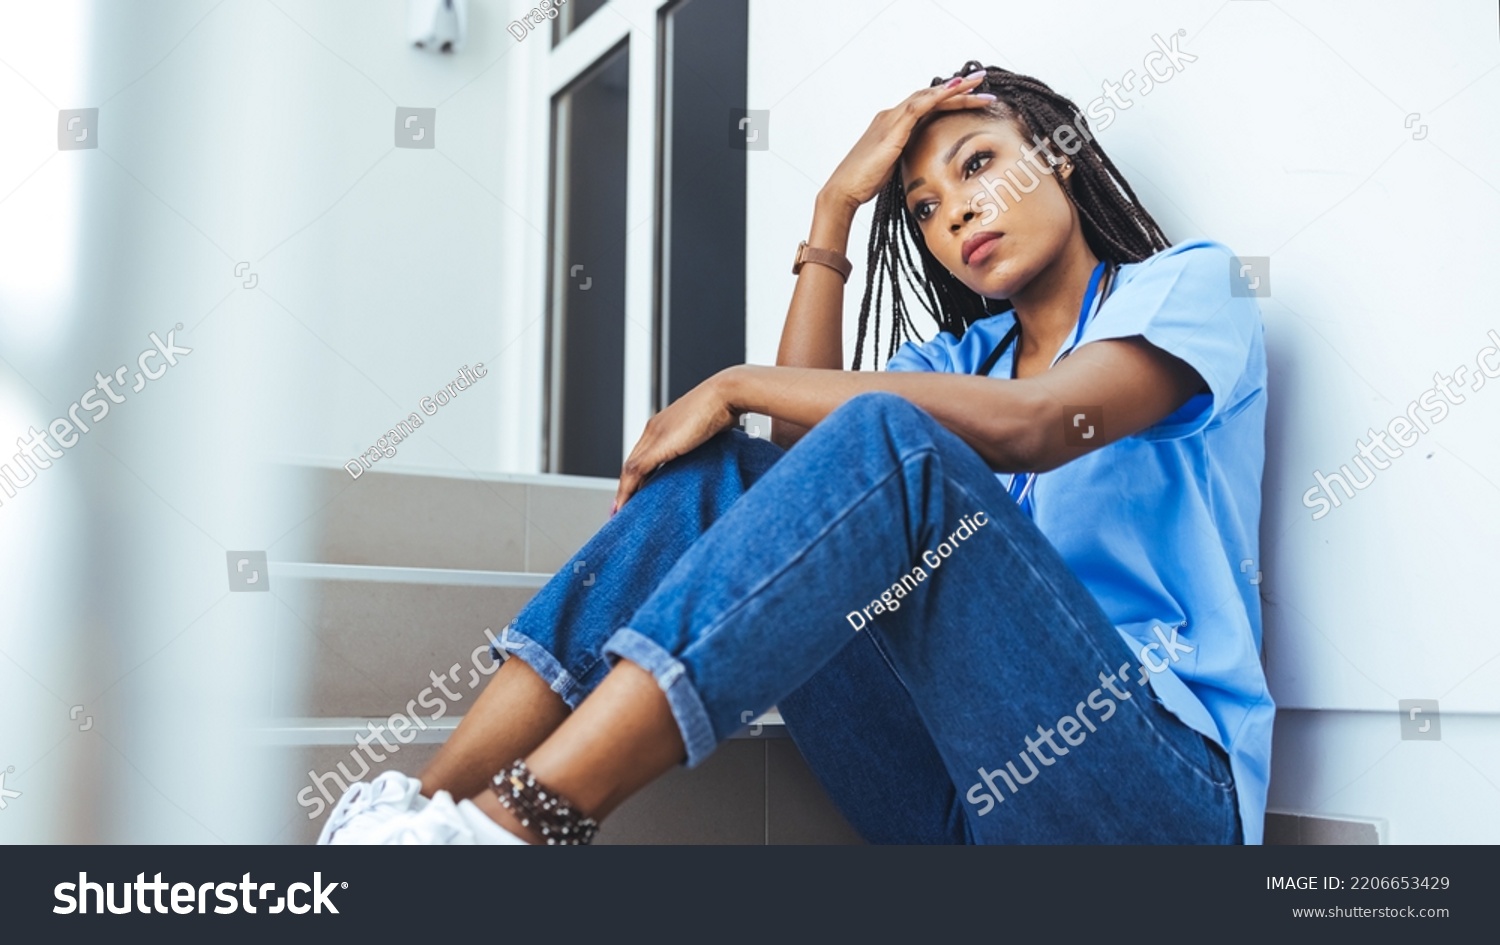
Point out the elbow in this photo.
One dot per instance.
(1025, 438)
(1026, 451)
(1056, 434)
(785, 435)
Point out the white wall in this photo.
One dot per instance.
(1286, 138)
(406, 263)
(262, 132)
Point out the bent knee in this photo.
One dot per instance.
(877, 408)
(730, 448)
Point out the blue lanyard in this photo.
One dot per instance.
(1021, 483)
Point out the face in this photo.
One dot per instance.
(990, 214)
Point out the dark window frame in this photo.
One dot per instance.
(670, 379)
(552, 454)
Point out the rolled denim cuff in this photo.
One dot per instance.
(682, 698)
(540, 659)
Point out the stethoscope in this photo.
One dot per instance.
(1093, 297)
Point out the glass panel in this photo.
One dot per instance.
(570, 16)
(586, 328)
(701, 250)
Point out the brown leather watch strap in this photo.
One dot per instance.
(834, 260)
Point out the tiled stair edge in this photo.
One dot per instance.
(343, 730)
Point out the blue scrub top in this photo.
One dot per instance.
(1163, 527)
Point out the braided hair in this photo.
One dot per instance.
(1115, 225)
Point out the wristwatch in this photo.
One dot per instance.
(836, 261)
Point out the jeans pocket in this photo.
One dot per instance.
(1197, 751)
(1222, 773)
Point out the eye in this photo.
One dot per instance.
(976, 162)
(922, 211)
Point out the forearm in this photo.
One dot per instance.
(1118, 387)
(999, 419)
(812, 335)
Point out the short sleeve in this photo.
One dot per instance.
(948, 353)
(1181, 300)
(932, 356)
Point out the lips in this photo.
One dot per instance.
(976, 243)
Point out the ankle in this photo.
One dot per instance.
(459, 784)
(492, 808)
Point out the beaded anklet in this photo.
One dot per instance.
(553, 815)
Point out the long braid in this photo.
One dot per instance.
(1115, 225)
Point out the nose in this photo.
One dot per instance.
(960, 216)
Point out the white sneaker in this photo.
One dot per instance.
(444, 823)
(362, 814)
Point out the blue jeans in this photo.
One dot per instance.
(978, 703)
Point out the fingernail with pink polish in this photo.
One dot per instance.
(976, 73)
(953, 82)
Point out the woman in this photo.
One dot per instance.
(999, 591)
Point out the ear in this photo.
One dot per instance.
(1062, 168)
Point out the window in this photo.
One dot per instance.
(586, 298)
(570, 16)
(612, 357)
(700, 312)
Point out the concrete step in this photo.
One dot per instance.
(363, 640)
(407, 518)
